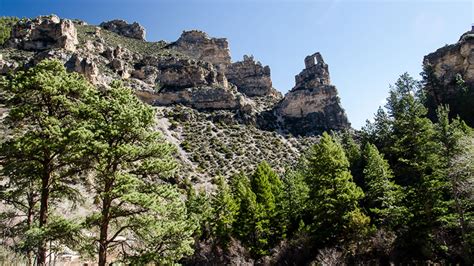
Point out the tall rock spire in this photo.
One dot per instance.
(313, 105)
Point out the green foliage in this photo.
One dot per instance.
(224, 212)
(131, 161)
(6, 24)
(296, 199)
(384, 198)
(333, 194)
(245, 222)
(43, 157)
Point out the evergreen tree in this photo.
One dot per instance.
(456, 153)
(245, 222)
(131, 163)
(42, 158)
(379, 131)
(296, 197)
(414, 157)
(384, 198)
(333, 194)
(224, 212)
(354, 155)
(270, 224)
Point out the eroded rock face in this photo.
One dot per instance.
(173, 73)
(203, 98)
(445, 68)
(43, 33)
(121, 27)
(250, 77)
(186, 81)
(313, 105)
(451, 60)
(198, 45)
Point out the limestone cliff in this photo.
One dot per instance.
(198, 45)
(250, 77)
(313, 105)
(449, 73)
(222, 115)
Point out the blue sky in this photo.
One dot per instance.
(367, 44)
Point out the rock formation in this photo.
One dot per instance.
(198, 45)
(195, 71)
(250, 77)
(43, 33)
(121, 27)
(313, 105)
(445, 69)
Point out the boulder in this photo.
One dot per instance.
(43, 33)
(250, 77)
(313, 105)
(121, 27)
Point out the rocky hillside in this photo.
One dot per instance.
(224, 116)
(449, 72)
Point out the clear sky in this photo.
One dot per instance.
(367, 44)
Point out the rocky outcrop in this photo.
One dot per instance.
(202, 98)
(174, 73)
(186, 81)
(43, 33)
(198, 45)
(195, 71)
(250, 77)
(121, 27)
(445, 69)
(313, 105)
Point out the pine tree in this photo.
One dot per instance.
(333, 194)
(296, 197)
(224, 212)
(131, 164)
(456, 154)
(43, 158)
(384, 198)
(245, 222)
(379, 131)
(413, 155)
(270, 224)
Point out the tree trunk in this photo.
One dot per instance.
(104, 226)
(43, 214)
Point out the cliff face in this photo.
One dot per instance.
(221, 115)
(198, 45)
(251, 78)
(313, 105)
(450, 77)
